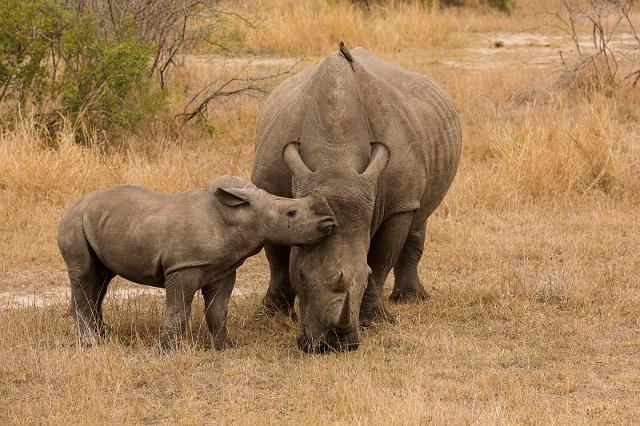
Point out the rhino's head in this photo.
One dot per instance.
(277, 220)
(330, 277)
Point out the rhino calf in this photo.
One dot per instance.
(183, 242)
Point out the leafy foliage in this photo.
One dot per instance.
(27, 28)
(101, 65)
(106, 80)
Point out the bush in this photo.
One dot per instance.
(27, 28)
(100, 65)
(602, 63)
(106, 81)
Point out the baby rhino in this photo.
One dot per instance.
(183, 242)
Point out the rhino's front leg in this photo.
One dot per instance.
(407, 287)
(181, 287)
(383, 253)
(216, 303)
(280, 296)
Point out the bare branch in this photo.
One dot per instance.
(605, 59)
(244, 19)
(252, 86)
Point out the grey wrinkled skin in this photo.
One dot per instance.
(382, 144)
(183, 242)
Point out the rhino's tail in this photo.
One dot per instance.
(345, 52)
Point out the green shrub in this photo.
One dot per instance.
(99, 65)
(27, 28)
(106, 81)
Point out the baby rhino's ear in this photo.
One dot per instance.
(233, 197)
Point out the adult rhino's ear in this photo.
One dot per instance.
(291, 157)
(233, 197)
(379, 160)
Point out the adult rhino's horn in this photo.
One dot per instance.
(291, 157)
(379, 160)
(343, 321)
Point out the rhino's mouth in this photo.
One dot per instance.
(327, 224)
(330, 340)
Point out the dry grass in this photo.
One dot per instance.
(532, 263)
(314, 27)
(289, 27)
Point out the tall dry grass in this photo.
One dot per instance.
(314, 27)
(571, 145)
(557, 147)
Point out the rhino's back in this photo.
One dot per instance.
(431, 149)
(138, 233)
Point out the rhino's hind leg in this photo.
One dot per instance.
(280, 296)
(383, 253)
(89, 280)
(407, 287)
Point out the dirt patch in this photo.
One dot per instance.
(41, 285)
(499, 50)
(61, 295)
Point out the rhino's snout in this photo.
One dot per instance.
(326, 224)
(332, 340)
(326, 216)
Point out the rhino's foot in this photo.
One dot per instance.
(169, 342)
(105, 330)
(373, 311)
(223, 344)
(166, 348)
(89, 339)
(377, 315)
(408, 295)
(279, 305)
(89, 334)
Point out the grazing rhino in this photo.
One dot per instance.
(183, 242)
(382, 144)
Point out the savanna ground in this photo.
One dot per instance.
(532, 261)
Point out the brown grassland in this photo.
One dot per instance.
(532, 261)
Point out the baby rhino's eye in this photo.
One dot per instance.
(292, 213)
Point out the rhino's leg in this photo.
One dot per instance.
(216, 302)
(89, 279)
(280, 296)
(101, 294)
(408, 287)
(181, 287)
(383, 253)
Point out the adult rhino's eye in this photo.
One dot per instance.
(292, 213)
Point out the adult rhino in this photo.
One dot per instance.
(382, 144)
